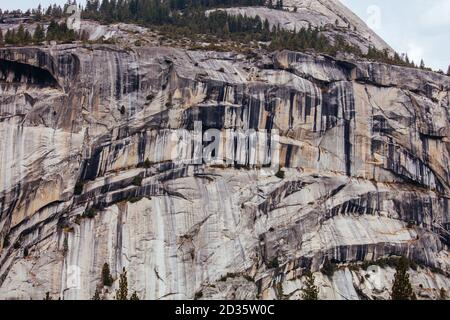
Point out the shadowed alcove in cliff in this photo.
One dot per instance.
(16, 72)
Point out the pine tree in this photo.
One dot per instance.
(407, 59)
(21, 34)
(38, 13)
(10, 37)
(106, 275)
(27, 37)
(134, 296)
(448, 71)
(310, 292)
(52, 31)
(422, 64)
(39, 34)
(1, 37)
(401, 289)
(122, 292)
(96, 295)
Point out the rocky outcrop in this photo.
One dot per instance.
(331, 16)
(364, 148)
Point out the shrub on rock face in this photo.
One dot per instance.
(122, 292)
(78, 188)
(310, 292)
(134, 296)
(137, 181)
(328, 268)
(17, 245)
(96, 295)
(106, 275)
(90, 213)
(280, 174)
(6, 242)
(147, 163)
(401, 289)
(274, 263)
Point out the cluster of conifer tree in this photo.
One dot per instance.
(55, 32)
(154, 12)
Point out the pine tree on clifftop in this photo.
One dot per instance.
(402, 290)
(39, 34)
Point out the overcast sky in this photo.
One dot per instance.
(419, 27)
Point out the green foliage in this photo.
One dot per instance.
(384, 57)
(107, 278)
(10, 36)
(89, 213)
(65, 246)
(310, 292)
(39, 34)
(155, 12)
(328, 267)
(122, 292)
(274, 263)
(401, 289)
(134, 296)
(19, 37)
(1, 37)
(388, 262)
(60, 33)
(147, 163)
(55, 32)
(17, 245)
(6, 242)
(78, 188)
(137, 181)
(229, 275)
(23, 36)
(278, 5)
(280, 174)
(134, 199)
(96, 295)
(198, 295)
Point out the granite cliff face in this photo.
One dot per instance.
(364, 148)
